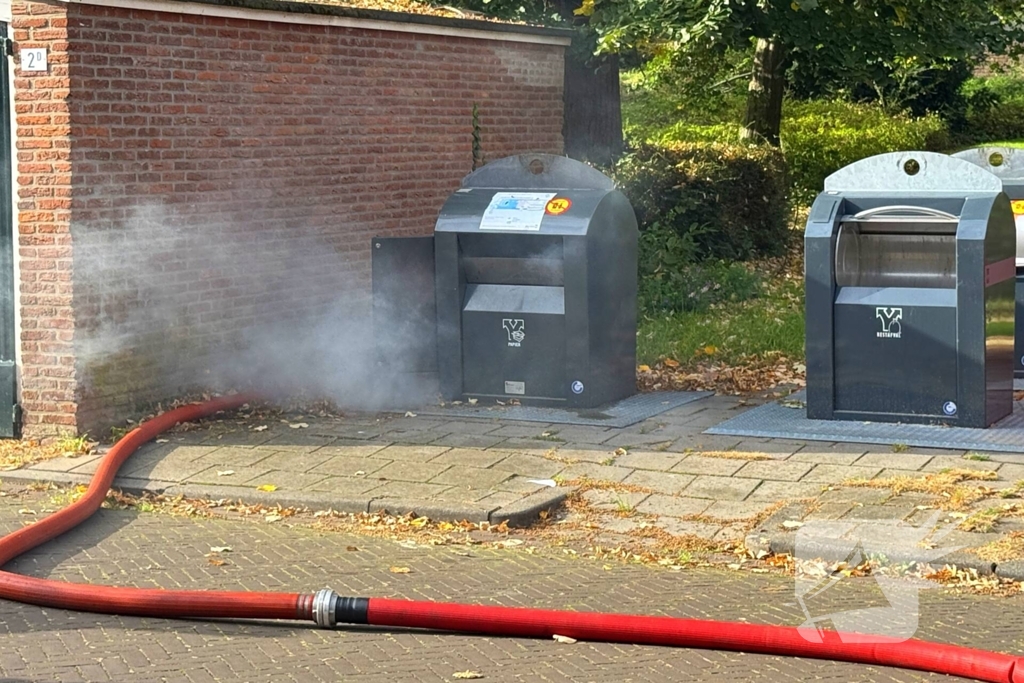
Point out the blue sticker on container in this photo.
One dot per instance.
(949, 408)
(577, 387)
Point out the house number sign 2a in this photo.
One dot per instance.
(33, 59)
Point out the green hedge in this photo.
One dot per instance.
(1004, 121)
(727, 201)
(819, 138)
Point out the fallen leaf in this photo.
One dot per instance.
(298, 425)
(266, 487)
(351, 548)
(734, 566)
(620, 451)
(273, 518)
(467, 675)
(261, 428)
(162, 441)
(220, 549)
(225, 473)
(668, 362)
(563, 639)
(360, 473)
(399, 570)
(217, 563)
(410, 414)
(644, 368)
(792, 524)
(551, 483)
(473, 401)
(26, 511)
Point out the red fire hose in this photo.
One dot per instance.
(328, 609)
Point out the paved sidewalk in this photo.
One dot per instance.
(157, 550)
(663, 472)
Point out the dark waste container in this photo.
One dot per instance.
(1007, 164)
(535, 261)
(909, 267)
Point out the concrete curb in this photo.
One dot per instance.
(520, 513)
(770, 538)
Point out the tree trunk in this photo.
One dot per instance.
(592, 124)
(764, 98)
(592, 119)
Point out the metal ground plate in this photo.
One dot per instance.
(778, 421)
(622, 413)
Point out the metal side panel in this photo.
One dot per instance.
(404, 310)
(9, 412)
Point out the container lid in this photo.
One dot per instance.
(538, 172)
(1006, 163)
(910, 173)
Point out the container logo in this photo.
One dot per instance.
(890, 319)
(558, 206)
(949, 408)
(515, 328)
(577, 387)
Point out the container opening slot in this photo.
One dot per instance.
(890, 259)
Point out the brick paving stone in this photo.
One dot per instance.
(829, 511)
(857, 496)
(696, 464)
(774, 470)
(527, 446)
(529, 465)
(721, 488)
(900, 461)
(68, 464)
(735, 509)
(347, 467)
(777, 449)
(1011, 472)
(469, 426)
(298, 442)
(414, 454)
(523, 429)
(637, 440)
(945, 462)
(785, 490)
(521, 485)
(661, 482)
(831, 455)
(682, 527)
(412, 437)
(586, 455)
(596, 472)
(404, 490)
(232, 456)
(353, 449)
(582, 434)
(890, 473)
(294, 462)
(837, 474)
(672, 506)
(648, 460)
(468, 440)
(409, 471)
(239, 475)
(347, 487)
(286, 481)
(623, 501)
(880, 512)
(471, 457)
(470, 477)
(170, 468)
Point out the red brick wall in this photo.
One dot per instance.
(229, 174)
(43, 203)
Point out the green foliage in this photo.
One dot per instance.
(1001, 122)
(771, 322)
(670, 281)
(736, 194)
(818, 138)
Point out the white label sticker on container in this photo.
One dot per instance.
(33, 59)
(516, 211)
(517, 388)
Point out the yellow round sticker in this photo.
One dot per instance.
(1018, 207)
(558, 206)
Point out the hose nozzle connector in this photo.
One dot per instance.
(330, 609)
